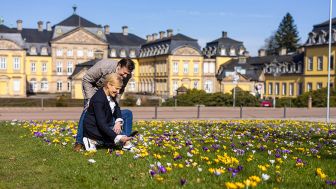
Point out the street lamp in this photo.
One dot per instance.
(235, 82)
(275, 73)
(329, 58)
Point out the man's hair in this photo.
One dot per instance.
(128, 63)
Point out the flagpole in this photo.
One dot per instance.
(329, 59)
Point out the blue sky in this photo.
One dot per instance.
(250, 21)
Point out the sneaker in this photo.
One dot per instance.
(78, 147)
(90, 144)
(129, 146)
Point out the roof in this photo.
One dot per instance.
(279, 58)
(5, 29)
(177, 37)
(119, 39)
(324, 25)
(35, 36)
(226, 41)
(75, 20)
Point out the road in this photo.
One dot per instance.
(171, 113)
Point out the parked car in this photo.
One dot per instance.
(266, 103)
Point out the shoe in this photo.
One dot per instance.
(129, 147)
(90, 145)
(133, 133)
(78, 147)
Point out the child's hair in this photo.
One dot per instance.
(114, 79)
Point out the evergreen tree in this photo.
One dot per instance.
(287, 34)
(271, 45)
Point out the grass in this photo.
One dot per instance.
(31, 161)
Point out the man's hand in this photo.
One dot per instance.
(117, 127)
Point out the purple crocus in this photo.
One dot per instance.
(152, 172)
(162, 169)
(183, 181)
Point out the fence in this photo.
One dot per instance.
(171, 113)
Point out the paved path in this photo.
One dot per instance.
(171, 113)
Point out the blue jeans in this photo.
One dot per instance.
(126, 115)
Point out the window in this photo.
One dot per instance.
(196, 67)
(33, 51)
(206, 67)
(3, 63)
(195, 84)
(223, 52)
(33, 66)
(175, 67)
(59, 86)
(59, 52)
(310, 63)
(80, 53)
(69, 86)
(185, 68)
(208, 86)
(132, 85)
(70, 68)
(132, 54)
(44, 67)
(300, 88)
(123, 53)
(319, 86)
(212, 68)
(69, 52)
(90, 53)
(44, 85)
(33, 85)
(284, 89)
(16, 85)
(320, 63)
(232, 52)
(309, 87)
(16, 63)
(59, 67)
(113, 53)
(276, 88)
(270, 88)
(291, 89)
(175, 85)
(331, 62)
(44, 51)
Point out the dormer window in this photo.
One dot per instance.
(44, 51)
(113, 53)
(223, 52)
(33, 51)
(232, 52)
(123, 53)
(132, 54)
(59, 31)
(241, 51)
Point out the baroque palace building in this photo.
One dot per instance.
(53, 59)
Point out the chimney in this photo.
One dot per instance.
(246, 54)
(19, 25)
(224, 34)
(154, 36)
(162, 33)
(149, 38)
(283, 51)
(169, 32)
(125, 30)
(107, 29)
(262, 52)
(40, 26)
(48, 26)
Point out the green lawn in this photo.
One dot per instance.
(203, 153)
